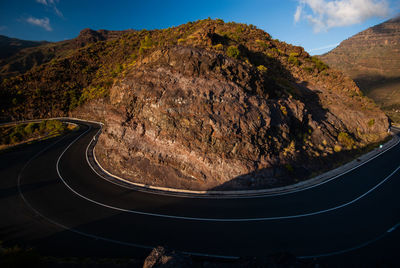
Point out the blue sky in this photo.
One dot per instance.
(313, 24)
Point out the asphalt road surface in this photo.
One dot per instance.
(52, 200)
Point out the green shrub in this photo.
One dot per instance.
(15, 137)
(219, 47)
(371, 122)
(283, 110)
(20, 129)
(320, 65)
(262, 44)
(117, 70)
(346, 140)
(42, 125)
(145, 44)
(262, 68)
(337, 148)
(55, 126)
(293, 59)
(309, 69)
(30, 128)
(19, 257)
(233, 52)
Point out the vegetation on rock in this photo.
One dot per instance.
(15, 134)
(203, 105)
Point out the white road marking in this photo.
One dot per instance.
(393, 228)
(233, 196)
(150, 247)
(212, 219)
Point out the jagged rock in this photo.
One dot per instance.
(194, 119)
(161, 257)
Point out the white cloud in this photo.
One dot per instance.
(51, 4)
(327, 14)
(324, 47)
(297, 14)
(46, 2)
(44, 23)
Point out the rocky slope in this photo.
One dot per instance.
(372, 59)
(206, 105)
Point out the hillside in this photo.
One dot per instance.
(205, 105)
(19, 56)
(372, 59)
(10, 46)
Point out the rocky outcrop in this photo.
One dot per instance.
(162, 257)
(190, 118)
(205, 105)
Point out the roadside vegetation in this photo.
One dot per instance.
(11, 135)
(19, 257)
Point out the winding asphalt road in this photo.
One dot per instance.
(52, 200)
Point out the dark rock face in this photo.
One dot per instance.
(161, 257)
(372, 59)
(190, 118)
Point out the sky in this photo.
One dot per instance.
(316, 25)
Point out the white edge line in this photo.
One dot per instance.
(223, 194)
(212, 219)
(91, 235)
(208, 194)
(150, 247)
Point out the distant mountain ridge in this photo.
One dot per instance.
(10, 46)
(18, 56)
(372, 59)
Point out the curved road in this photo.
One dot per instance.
(52, 200)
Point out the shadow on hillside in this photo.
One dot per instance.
(369, 83)
(305, 168)
(279, 83)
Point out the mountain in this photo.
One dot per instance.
(10, 46)
(205, 105)
(19, 56)
(372, 59)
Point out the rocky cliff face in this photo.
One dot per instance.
(195, 118)
(206, 105)
(372, 59)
